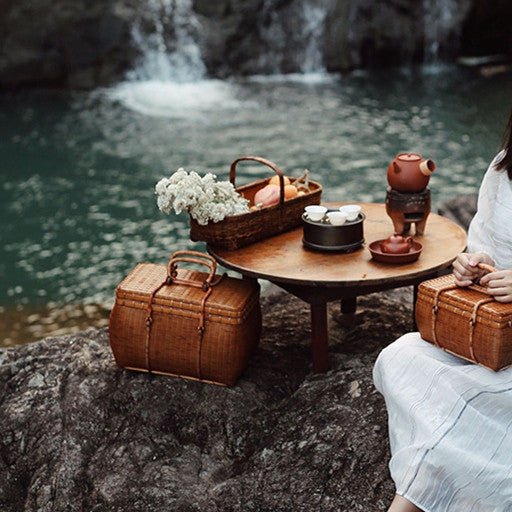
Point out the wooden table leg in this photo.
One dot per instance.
(414, 299)
(348, 311)
(319, 337)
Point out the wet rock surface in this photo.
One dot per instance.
(78, 44)
(78, 433)
(461, 209)
(64, 43)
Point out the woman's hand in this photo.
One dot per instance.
(465, 267)
(499, 285)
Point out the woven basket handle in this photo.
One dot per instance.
(196, 257)
(264, 161)
(488, 269)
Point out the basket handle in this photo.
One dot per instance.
(264, 161)
(479, 288)
(191, 257)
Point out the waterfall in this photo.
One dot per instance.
(170, 78)
(170, 52)
(293, 36)
(440, 20)
(313, 30)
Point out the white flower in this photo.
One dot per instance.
(203, 197)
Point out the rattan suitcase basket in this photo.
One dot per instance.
(240, 230)
(185, 323)
(466, 322)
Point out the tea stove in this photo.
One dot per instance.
(406, 208)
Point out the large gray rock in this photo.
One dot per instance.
(78, 433)
(461, 209)
(80, 44)
(83, 44)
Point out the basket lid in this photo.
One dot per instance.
(465, 299)
(230, 298)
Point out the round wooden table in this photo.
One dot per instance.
(320, 277)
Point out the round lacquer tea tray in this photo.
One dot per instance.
(323, 236)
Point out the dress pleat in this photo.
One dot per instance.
(450, 427)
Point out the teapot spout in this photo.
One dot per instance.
(427, 167)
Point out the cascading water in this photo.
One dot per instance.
(292, 37)
(441, 22)
(170, 53)
(313, 30)
(170, 78)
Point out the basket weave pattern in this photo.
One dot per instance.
(182, 329)
(240, 230)
(465, 322)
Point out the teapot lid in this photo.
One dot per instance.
(408, 157)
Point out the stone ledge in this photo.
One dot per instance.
(78, 433)
(460, 209)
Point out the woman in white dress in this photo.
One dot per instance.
(450, 421)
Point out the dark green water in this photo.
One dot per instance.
(78, 170)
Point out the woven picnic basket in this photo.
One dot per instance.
(186, 323)
(241, 230)
(466, 322)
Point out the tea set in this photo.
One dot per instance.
(317, 213)
(333, 230)
(395, 249)
(408, 197)
(407, 202)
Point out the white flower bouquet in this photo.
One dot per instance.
(204, 198)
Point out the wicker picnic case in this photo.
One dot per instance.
(240, 230)
(466, 322)
(184, 322)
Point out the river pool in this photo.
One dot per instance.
(78, 169)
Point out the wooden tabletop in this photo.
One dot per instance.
(283, 258)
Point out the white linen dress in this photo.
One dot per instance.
(450, 421)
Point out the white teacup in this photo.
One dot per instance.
(351, 211)
(337, 218)
(315, 212)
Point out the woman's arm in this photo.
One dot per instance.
(479, 239)
(480, 243)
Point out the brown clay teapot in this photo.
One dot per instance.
(408, 172)
(396, 244)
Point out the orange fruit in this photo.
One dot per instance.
(290, 192)
(275, 180)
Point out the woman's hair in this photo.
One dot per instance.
(505, 163)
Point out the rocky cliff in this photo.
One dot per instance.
(83, 44)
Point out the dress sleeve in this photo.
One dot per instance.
(479, 239)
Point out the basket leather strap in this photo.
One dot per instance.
(435, 309)
(149, 322)
(200, 330)
(202, 315)
(472, 323)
